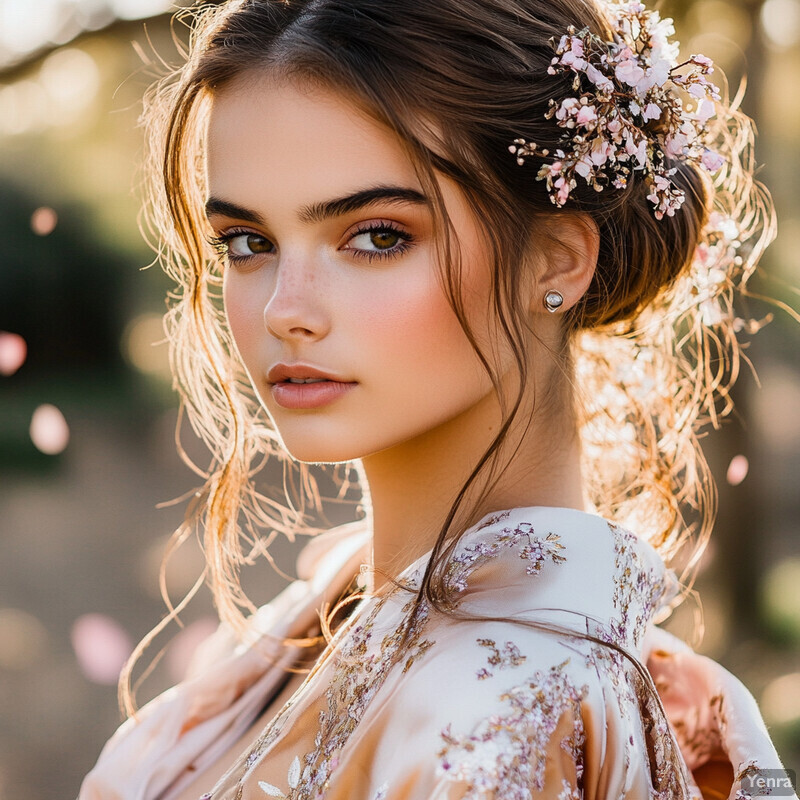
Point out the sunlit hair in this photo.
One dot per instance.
(649, 353)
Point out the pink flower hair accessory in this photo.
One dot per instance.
(630, 116)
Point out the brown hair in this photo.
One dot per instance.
(458, 81)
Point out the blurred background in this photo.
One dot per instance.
(87, 415)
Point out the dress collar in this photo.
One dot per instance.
(558, 565)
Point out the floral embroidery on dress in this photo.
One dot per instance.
(494, 519)
(637, 706)
(380, 794)
(535, 551)
(293, 778)
(505, 755)
(509, 657)
(569, 792)
(360, 669)
(358, 676)
(637, 591)
(749, 769)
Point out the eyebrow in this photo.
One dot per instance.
(318, 212)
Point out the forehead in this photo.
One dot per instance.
(271, 138)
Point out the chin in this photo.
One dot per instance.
(321, 452)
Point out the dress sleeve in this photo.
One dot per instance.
(722, 735)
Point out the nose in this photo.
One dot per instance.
(295, 307)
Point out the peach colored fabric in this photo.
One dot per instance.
(461, 709)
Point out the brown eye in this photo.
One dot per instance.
(248, 244)
(384, 239)
(378, 239)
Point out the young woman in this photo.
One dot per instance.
(484, 253)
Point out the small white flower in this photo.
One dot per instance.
(703, 61)
(586, 115)
(651, 111)
(294, 773)
(675, 145)
(712, 161)
(629, 72)
(704, 111)
(270, 790)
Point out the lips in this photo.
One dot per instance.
(282, 372)
(308, 396)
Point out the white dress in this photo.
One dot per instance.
(462, 709)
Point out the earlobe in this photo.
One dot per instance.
(569, 266)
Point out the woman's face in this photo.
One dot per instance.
(331, 263)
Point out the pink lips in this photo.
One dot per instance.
(305, 395)
(309, 395)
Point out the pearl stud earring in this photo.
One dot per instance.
(553, 300)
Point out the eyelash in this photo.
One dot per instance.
(383, 227)
(220, 243)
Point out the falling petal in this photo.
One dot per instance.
(101, 647)
(13, 351)
(737, 470)
(49, 430)
(44, 221)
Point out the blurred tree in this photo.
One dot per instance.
(62, 291)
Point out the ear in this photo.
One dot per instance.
(567, 266)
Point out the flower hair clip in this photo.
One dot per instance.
(630, 119)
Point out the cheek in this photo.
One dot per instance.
(422, 345)
(244, 312)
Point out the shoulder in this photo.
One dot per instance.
(325, 565)
(716, 719)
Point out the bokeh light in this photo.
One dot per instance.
(21, 31)
(144, 345)
(65, 87)
(13, 352)
(44, 221)
(25, 30)
(136, 9)
(782, 597)
(780, 391)
(737, 470)
(23, 107)
(780, 701)
(184, 567)
(101, 646)
(24, 639)
(49, 430)
(71, 79)
(780, 20)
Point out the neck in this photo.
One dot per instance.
(413, 485)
